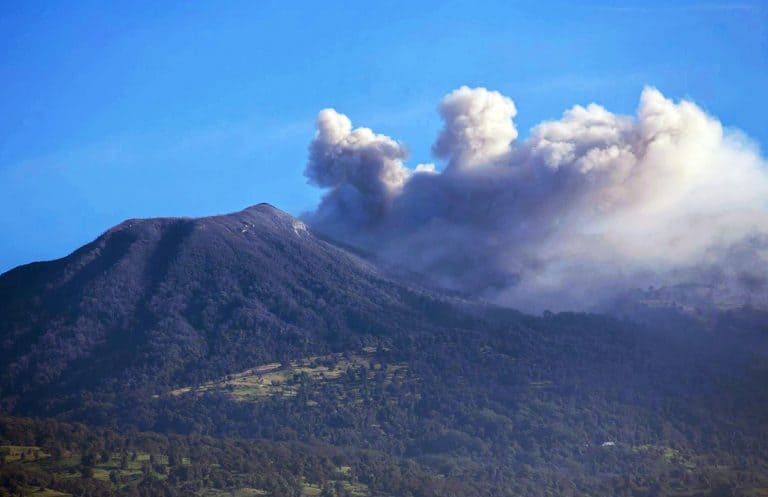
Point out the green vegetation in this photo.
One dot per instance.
(103, 463)
(278, 380)
(74, 460)
(13, 453)
(208, 359)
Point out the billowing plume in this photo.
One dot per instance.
(478, 127)
(365, 170)
(586, 206)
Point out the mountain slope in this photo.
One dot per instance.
(248, 325)
(169, 298)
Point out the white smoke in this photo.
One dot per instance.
(588, 205)
(478, 127)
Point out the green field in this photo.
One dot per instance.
(284, 380)
(13, 453)
(125, 470)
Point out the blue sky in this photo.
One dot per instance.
(197, 108)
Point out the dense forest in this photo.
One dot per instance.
(54, 458)
(243, 355)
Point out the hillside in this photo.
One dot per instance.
(249, 326)
(172, 301)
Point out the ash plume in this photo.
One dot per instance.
(586, 206)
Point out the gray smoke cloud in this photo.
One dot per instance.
(588, 205)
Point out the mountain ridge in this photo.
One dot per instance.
(250, 326)
(134, 257)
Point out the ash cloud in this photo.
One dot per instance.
(478, 127)
(587, 206)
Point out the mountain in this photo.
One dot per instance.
(250, 326)
(731, 316)
(178, 300)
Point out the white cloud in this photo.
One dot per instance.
(478, 127)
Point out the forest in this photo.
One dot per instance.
(236, 356)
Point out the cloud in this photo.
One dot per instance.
(478, 127)
(364, 170)
(586, 206)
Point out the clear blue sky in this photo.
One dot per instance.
(195, 108)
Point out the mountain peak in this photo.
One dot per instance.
(264, 206)
(264, 209)
(263, 218)
(178, 285)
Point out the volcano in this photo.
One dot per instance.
(251, 326)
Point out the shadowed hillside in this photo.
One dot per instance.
(173, 301)
(248, 326)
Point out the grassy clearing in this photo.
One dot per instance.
(132, 471)
(130, 468)
(44, 492)
(14, 453)
(240, 492)
(284, 380)
(310, 489)
(356, 489)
